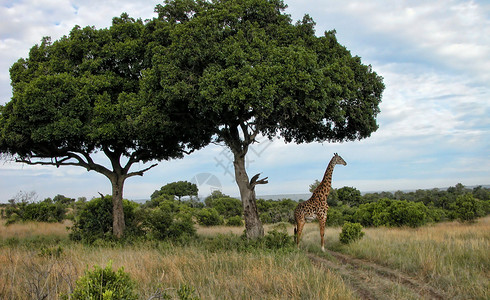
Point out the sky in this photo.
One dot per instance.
(434, 125)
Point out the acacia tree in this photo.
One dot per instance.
(253, 72)
(179, 189)
(81, 95)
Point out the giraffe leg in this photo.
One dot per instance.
(322, 232)
(299, 225)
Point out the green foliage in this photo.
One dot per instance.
(275, 239)
(170, 220)
(104, 283)
(386, 212)
(338, 215)
(86, 93)
(234, 221)
(351, 232)
(350, 196)
(272, 211)
(95, 220)
(225, 205)
(178, 189)
(308, 86)
(61, 199)
(209, 217)
(44, 211)
(186, 292)
(468, 208)
(314, 185)
(156, 201)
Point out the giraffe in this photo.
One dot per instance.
(317, 205)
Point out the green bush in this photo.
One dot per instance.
(275, 211)
(44, 211)
(278, 240)
(351, 232)
(104, 284)
(209, 217)
(234, 221)
(226, 206)
(340, 214)
(404, 213)
(468, 209)
(167, 222)
(387, 212)
(94, 221)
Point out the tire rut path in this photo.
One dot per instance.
(368, 279)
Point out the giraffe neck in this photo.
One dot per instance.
(324, 187)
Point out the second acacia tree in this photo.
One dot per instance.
(251, 71)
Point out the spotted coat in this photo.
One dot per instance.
(316, 206)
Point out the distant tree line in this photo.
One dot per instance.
(408, 208)
(173, 211)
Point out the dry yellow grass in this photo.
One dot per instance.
(220, 275)
(29, 229)
(452, 256)
(225, 274)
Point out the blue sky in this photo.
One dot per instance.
(434, 121)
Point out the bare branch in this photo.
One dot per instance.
(140, 173)
(254, 181)
(45, 163)
(66, 160)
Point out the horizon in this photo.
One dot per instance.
(275, 197)
(434, 128)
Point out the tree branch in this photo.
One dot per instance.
(140, 173)
(64, 160)
(254, 181)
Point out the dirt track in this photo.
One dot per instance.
(372, 281)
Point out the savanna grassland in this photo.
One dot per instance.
(448, 260)
(46, 264)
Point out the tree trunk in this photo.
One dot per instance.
(118, 224)
(253, 225)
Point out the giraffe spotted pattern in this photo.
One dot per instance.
(316, 206)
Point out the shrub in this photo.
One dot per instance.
(234, 221)
(44, 211)
(225, 205)
(404, 213)
(209, 217)
(95, 220)
(351, 232)
(276, 240)
(104, 284)
(387, 212)
(165, 223)
(274, 211)
(468, 208)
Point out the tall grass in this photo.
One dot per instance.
(28, 272)
(30, 229)
(454, 257)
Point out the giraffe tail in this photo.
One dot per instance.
(295, 230)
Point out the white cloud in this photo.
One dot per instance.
(452, 34)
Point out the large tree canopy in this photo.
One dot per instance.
(82, 94)
(251, 71)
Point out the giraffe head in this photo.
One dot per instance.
(338, 160)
